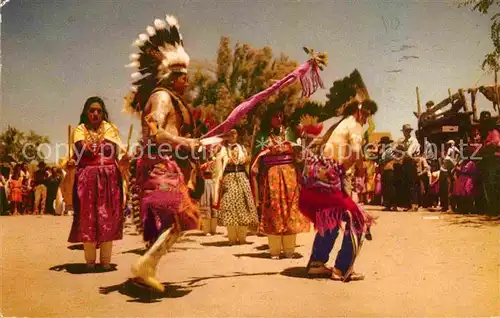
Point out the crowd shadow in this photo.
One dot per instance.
(472, 220)
(81, 268)
(144, 294)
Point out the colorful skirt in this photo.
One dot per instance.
(97, 203)
(237, 206)
(164, 198)
(280, 213)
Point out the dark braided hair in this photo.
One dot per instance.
(84, 119)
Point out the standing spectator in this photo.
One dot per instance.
(465, 188)
(387, 167)
(52, 184)
(4, 204)
(423, 172)
(410, 143)
(490, 166)
(434, 185)
(40, 189)
(15, 190)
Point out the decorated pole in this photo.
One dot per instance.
(70, 142)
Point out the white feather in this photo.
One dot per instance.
(151, 30)
(134, 64)
(160, 24)
(138, 43)
(136, 75)
(134, 57)
(172, 21)
(143, 37)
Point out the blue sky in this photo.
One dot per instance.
(55, 54)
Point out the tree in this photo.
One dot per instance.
(241, 73)
(20, 146)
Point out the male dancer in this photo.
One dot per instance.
(163, 172)
(325, 202)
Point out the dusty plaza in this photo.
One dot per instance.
(439, 265)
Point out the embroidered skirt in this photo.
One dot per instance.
(97, 203)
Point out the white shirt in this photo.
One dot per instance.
(412, 146)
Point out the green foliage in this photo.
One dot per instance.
(20, 146)
(491, 61)
(479, 5)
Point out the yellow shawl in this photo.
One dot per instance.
(110, 132)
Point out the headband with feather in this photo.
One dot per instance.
(161, 54)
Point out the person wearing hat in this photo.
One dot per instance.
(387, 166)
(40, 178)
(410, 143)
(427, 114)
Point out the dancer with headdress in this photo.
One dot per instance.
(276, 191)
(323, 198)
(97, 196)
(164, 171)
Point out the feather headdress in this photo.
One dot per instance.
(161, 54)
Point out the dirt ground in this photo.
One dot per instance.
(419, 264)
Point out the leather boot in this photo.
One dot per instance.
(145, 267)
(274, 242)
(242, 234)
(90, 251)
(289, 244)
(213, 226)
(205, 226)
(105, 254)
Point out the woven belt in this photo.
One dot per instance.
(234, 168)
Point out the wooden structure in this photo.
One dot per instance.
(453, 117)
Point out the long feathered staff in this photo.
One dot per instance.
(307, 73)
(161, 54)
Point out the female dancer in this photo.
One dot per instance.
(97, 195)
